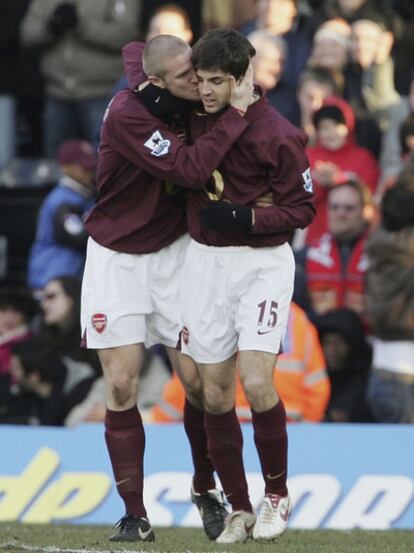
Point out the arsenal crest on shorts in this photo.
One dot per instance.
(99, 322)
(185, 334)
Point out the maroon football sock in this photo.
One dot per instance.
(225, 445)
(271, 441)
(203, 479)
(125, 440)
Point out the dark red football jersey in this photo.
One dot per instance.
(268, 157)
(141, 160)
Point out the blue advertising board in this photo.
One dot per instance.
(340, 476)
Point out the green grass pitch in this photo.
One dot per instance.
(25, 538)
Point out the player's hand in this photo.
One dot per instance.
(223, 216)
(241, 91)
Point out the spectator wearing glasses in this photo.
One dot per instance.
(336, 152)
(330, 271)
(60, 332)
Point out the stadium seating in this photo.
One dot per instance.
(23, 185)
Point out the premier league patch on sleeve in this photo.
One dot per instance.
(307, 180)
(158, 145)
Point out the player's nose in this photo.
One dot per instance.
(204, 89)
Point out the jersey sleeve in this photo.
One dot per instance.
(146, 142)
(292, 189)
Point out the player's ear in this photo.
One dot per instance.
(157, 81)
(248, 74)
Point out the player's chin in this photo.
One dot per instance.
(210, 108)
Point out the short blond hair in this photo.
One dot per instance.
(159, 51)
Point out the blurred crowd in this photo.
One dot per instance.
(343, 71)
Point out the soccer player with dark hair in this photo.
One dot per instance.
(237, 281)
(135, 253)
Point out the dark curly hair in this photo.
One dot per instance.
(223, 49)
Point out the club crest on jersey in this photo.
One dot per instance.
(99, 322)
(158, 145)
(307, 180)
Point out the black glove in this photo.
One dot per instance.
(226, 217)
(64, 18)
(162, 104)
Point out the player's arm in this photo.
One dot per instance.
(139, 136)
(146, 142)
(293, 199)
(292, 188)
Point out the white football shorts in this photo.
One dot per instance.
(131, 298)
(234, 298)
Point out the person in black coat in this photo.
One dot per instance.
(348, 361)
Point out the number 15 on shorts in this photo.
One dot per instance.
(267, 318)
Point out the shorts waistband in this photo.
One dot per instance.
(233, 249)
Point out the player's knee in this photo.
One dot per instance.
(259, 390)
(218, 399)
(254, 382)
(123, 397)
(122, 387)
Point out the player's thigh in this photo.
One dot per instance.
(164, 274)
(115, 299)
(263, 310)
(208, 333)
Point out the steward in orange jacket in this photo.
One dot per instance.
(300, 378)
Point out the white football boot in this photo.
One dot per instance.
(273, 517)
(237, 527)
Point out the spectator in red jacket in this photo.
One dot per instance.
(335, 153)
(330, 271)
